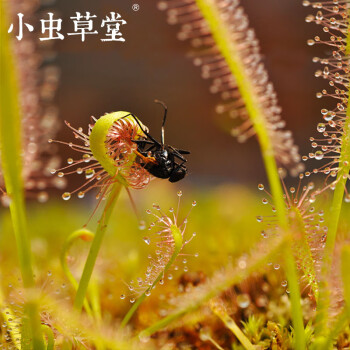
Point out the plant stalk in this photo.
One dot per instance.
(229, 51)
(11, 161)
(95, 246)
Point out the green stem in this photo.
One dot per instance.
(95, 247)
(229, 51)
(178, 241)
(11, 161)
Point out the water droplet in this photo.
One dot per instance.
(148, 292)
(276, 266)
(53, 171)
(66, 196)
(89, 173)
(194, 203)
(81, 194)
(265, 201)
(86, 158)
(243, 300)
(147, 240)
(132, 300)
(170, 277)
(70, 160)
(319, 155)
(261, 187)
(321, 127)
(60, 174)
(156, 206)
(259, 218)
(142, 225)
(284, 283)
(179, 193)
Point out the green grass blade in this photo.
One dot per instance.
(11, 160)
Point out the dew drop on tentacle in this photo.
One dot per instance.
(321, 127)
(66, 196)
(142, 225)
(81, 194)
(259, 218)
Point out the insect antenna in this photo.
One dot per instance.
(164, 118)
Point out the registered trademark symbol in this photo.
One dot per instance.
(136, 7)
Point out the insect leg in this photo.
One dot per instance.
(177, 154)
(181, 151)
(144, 141)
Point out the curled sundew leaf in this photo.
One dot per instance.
(108, 155)
(227, 50)
(219, 282)
(169, 241)
(50, 337)
(85, 235)
(38, 78)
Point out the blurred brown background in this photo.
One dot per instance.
(104, 77)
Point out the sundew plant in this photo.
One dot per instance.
(131, 254)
